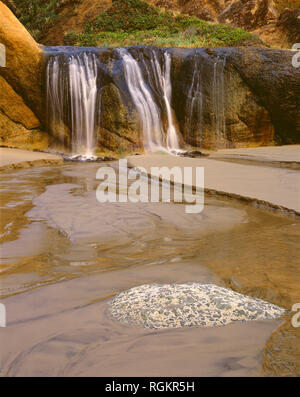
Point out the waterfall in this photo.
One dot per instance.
(196, 100)
(219, 98)
(149, 111)
(172, 139)
(141, 95)
(76, 78)
(83, 96)
(73, 93)
(194, 106)
(55, 97)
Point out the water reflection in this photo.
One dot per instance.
(53, 230)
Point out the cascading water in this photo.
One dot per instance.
(219, 98)
(55, 97)
(76, 78)
(143, 98)
(141, 95)
(83, 97)
(74, 93)
(194, 107)
(205, 104)
(165, 78)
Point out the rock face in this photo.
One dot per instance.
(277, 28)
(118, 129)
(13, 106)
(283, 32)
(260, 91)
(187, 305)
(203, 9)
(21, 101)
(214, 106)
(248, 14)
(289, 24)
(220, 97)
(270, 75)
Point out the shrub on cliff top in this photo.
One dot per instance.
(136, 15)
(37, 15)
(132, 22)
(130, 16)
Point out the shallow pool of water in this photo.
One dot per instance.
(64, 255)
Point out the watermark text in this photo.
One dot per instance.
(2, 315)
(296, 317)
(183, 185)
(296, 57)
(2, 56)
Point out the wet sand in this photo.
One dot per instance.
(56, 289)
(19, 158)
(77, 338)
(277, 188)
(277, 155)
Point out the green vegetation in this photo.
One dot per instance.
(37, 15)
(134, 22)
(131, 22)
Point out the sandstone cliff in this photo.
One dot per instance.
(21, 105)
(251, 95)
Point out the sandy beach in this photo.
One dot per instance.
(11, 159)
(276, 187)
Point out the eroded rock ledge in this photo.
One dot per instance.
(261, 95)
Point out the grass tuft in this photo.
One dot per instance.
(135, 22)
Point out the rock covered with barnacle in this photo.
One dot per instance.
(187, 305)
